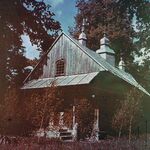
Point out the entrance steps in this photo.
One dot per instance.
(65, 135)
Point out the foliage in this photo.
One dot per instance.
(43, 105)
(120, 19)
(11, 122)
(84, 118)
(31, 143)
(128, 112)
(22, 113)
(16, 18)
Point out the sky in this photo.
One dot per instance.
(65, 11)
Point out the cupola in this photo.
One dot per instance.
(121, 64)
(82, 37)
(105, 51)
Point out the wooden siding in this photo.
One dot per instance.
(76, 61)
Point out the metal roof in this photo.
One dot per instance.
(108, 67)
(66, 80)
(61, 81)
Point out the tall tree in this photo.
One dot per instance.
(16, 18)
(42, 108)
(121, 20)
(128, 113)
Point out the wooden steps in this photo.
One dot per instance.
(65, 135)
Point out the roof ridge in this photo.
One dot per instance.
(97, 59)
(112, 69)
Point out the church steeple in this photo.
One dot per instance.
(82, 37)
(105, 51)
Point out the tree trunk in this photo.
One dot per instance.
(120, 130)
(119, 135)
(130, 128)
(42, 120)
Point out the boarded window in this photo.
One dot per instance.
(60, 68)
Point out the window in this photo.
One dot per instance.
(60, 67)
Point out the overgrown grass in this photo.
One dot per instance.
(54, 144)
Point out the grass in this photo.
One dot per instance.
(54, 144)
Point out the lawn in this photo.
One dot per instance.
(109, 144)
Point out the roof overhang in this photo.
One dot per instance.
(61, 81)
(41, 83)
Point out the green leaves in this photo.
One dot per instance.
(121, 20)
(16, 18)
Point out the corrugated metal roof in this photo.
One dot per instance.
(106, 66)
(61, 81)
(69, 80)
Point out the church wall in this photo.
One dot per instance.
(76, 61)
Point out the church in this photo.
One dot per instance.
(84, 73)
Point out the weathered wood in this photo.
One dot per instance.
(76, 61)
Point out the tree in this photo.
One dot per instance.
(84, 117)
(16, 18)
(42, 105)
(119, 19)
(128, 112)
(10, 114)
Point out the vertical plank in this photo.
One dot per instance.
(77, 62)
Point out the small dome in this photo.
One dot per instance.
(121, 64)
(104, 40)
(82, 36)
(105, 50)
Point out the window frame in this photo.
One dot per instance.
(58, 72)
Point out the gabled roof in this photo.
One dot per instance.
(102, 63)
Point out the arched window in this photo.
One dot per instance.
(60, 67)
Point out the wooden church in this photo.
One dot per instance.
(84, 73)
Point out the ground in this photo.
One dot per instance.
(53, 144)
